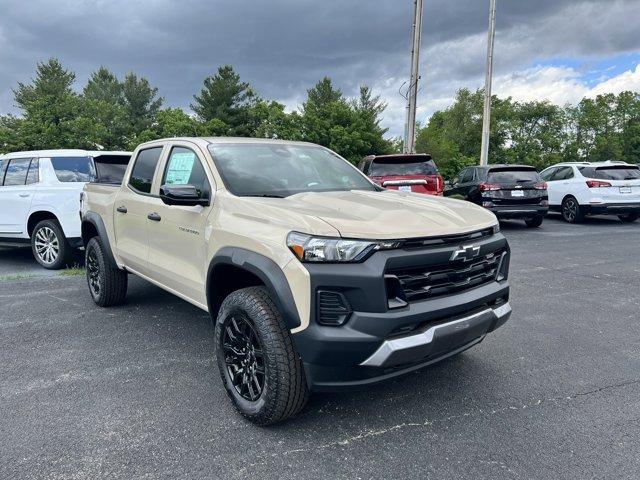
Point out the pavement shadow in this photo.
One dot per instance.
(18, 260)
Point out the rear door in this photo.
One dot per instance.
(517, 186)
(132, 204)
(17, 189)
(615, 183)
(410, 173)
(178, 234)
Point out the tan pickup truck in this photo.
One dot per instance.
(315, 277)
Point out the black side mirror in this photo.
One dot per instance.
(185, 195)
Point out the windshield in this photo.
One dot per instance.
(262, 169)
(513, 176)
(622, 172)
(386, 168)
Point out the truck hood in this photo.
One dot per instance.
(377, 215)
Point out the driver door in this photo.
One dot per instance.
(178, 235)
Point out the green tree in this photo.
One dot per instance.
(141, 104)
(226, 98)
(51, 110)
(537, 134)
(104, 86)
(273, 122)
(10, 138)
(350, 128)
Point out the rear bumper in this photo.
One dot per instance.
(611, 208)
(518, 211)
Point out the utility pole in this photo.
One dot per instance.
(412, 94)
(486, 119)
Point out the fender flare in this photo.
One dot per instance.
(266, 270)
(95, 220)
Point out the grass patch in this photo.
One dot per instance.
(16, 276)
(71, 272)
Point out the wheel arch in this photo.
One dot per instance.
(237, 268)
(569, 195)
(92, 226)
(37, 217)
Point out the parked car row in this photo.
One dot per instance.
(39, 198)
(519, 191)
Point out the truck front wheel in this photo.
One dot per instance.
(259, 366)
(107, 283)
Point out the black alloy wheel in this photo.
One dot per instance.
(571, 210)
(93, 272)
(244, 357)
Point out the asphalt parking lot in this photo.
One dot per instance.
(133, 391)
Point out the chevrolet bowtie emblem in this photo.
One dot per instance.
(466, 253)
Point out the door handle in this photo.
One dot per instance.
(122, 209)
(154, 216)
(24, 195)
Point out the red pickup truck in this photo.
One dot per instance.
(405, 172)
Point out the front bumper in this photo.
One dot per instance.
(378, 342)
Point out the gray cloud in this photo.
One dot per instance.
(284, 46)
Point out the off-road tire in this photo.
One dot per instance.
(571, 210)
(111, 281)
(534, 222)
(284, 391)
(629, 218)
(60, 253)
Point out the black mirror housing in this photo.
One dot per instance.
(185, 195)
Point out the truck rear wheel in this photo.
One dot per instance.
(49, 245)
(259, 366)
(107, 283)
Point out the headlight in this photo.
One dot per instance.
(324, 249)
(496, 228)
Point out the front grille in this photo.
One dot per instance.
(419, 283)
(415, 243)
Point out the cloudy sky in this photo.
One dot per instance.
(559, 50)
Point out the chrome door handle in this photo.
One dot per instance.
(122, 209)
(154, 216)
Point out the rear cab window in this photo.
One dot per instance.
(617, 172)
(110, 168)
(144, 169)
(513, 175)
(73, 169)
(409, 165)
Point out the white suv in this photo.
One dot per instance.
(594, 188)
(39, 198)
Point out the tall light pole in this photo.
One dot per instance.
(486, 119)
(412, 94)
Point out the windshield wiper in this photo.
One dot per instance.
(265, 195)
